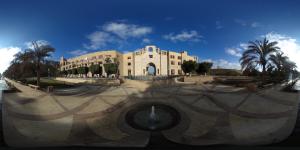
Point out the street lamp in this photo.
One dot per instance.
(48, 72)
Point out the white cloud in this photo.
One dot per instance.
(7, 55)
(288, 45)
(39, 43)
(234, 52)
(146, 41)
(241, 22)
(219, 25)
(243, 46)
(115, 32)
(125, 31)
(248, 23)
(98, 39)
(191, 36)
(237, 51)
(225, 64)
(78, 52)
(255, 24)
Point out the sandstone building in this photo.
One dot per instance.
(149, 60)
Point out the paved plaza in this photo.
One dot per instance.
(94, 115)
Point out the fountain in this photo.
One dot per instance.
(152, 117)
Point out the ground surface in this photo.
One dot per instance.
(94, 115)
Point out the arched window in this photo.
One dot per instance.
(150, 49)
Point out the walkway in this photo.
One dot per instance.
(94, 115)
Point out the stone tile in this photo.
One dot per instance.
(52, 130)
(253, 131)
(256, 104)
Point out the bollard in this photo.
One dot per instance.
(50, 89)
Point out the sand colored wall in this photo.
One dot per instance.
(165, 61)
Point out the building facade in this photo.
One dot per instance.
(149, 60)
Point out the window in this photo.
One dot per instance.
(157, 71)
(172, 56)
(172, 71)
(179, 63)
(129, 72)
(150, 49)
(172, 63)
(129, 64)
(179, 57)
(129, 57)
(179, 71)
(150, 56)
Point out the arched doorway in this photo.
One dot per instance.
(151, 69)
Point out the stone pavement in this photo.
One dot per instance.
(94, 115)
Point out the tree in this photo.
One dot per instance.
(281, 65)
(69, 72)
(204, 67)
(111, 67)
(108, 60)
(25, 63)
(250, 72)
(95, 69)
(83, 70)
(64, 73)
(257, 54)
(74, 71)
(279, 60)
(188, 66)
(38, 53)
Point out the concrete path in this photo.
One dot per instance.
(94, 115)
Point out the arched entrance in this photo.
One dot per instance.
(151, 69)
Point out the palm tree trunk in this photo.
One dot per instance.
(38, 75)
(264, 73)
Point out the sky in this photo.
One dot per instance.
(213, 30)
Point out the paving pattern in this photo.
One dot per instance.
(94, 115)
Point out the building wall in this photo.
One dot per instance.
(134, 63)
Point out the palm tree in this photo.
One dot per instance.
(279, 60)
(25, 63)
(38, 53)
(257, 54)
(282, 63)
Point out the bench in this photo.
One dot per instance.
(33, 86)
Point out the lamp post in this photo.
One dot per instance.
(48, 72)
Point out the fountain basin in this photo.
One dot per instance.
(141, 117)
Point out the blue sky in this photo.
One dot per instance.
(214, 30)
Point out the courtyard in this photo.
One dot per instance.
(94, 115)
